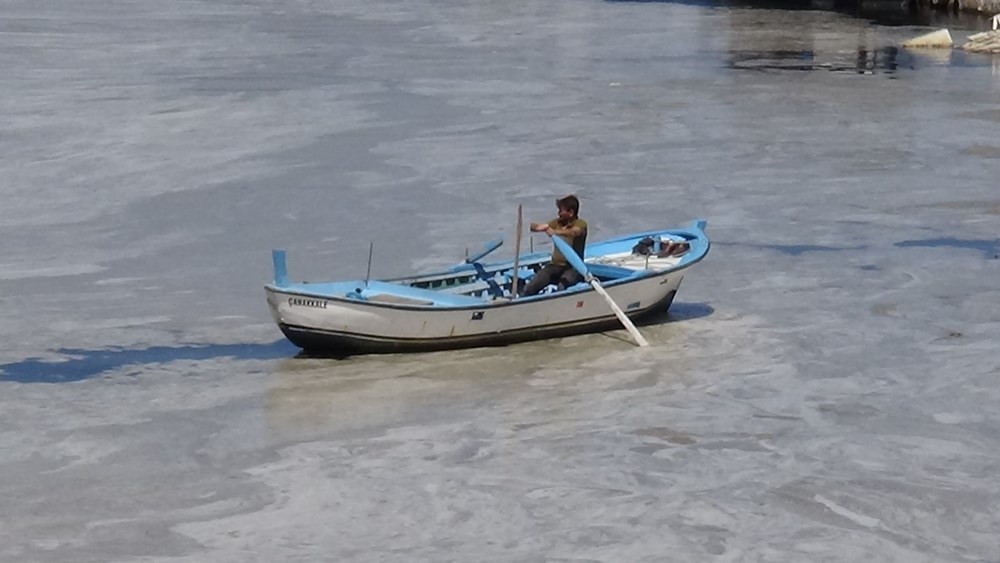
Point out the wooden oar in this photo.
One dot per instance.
(517, 253)
(574, 259)
(490, 247)
(481, 272)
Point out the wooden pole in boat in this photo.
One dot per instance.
(579, 265)
(368, 274)
(517, 253)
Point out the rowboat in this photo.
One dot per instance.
(475, 303)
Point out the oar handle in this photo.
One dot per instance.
(571, 256)
(517, 253)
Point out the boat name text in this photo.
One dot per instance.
(299, 302)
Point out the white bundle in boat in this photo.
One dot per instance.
(647, 261)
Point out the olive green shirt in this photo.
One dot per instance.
(578, 243)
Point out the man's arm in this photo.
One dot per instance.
(568, 231)
(564, 231)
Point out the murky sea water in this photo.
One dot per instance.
(824, 389)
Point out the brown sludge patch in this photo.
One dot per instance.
(989, 207)
(987, 151)
(988, 115)
(884, 310)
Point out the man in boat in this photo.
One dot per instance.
(571, 228)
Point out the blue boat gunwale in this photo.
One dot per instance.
(694, 234)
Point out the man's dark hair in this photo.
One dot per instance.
(569, 203)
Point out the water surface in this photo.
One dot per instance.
(824, 390)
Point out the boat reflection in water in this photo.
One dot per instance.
(885, 60)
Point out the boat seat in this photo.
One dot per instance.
(607, 272)
(465, 288)
(405, 294)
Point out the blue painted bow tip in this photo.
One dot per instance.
(280, 268)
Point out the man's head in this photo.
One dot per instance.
(569, 207)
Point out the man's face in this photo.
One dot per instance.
(564, 214)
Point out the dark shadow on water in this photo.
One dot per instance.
(301, 354)
(85, 364)
(678, 312)
(989, 248)
(797, 249)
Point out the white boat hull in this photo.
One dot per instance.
(470, 305)
(351, 327)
